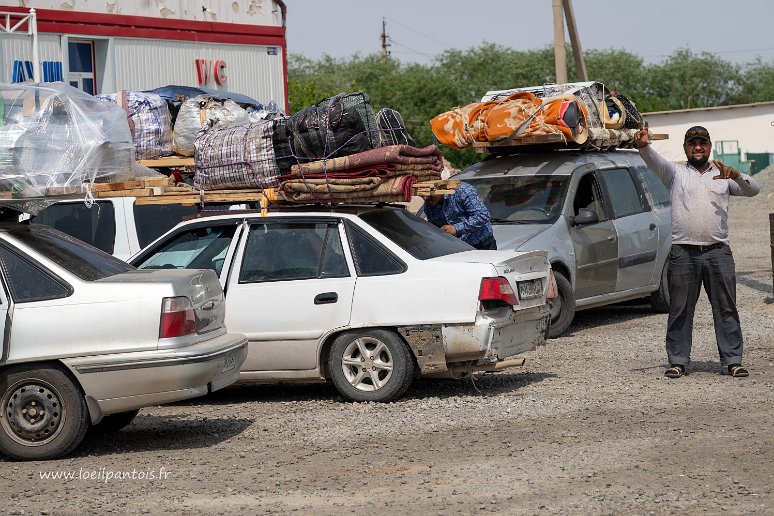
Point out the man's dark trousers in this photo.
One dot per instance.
(689, 268)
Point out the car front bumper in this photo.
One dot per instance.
(127, 381)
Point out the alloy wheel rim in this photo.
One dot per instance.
(367, 364)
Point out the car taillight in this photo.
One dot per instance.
(553, 290)
(497, 289)
(177, 317)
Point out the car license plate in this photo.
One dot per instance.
(229, 364)
(530, 289)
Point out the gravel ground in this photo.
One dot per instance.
(589, 425)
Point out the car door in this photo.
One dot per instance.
(292, 284)
(5, 323)
(202, 245)
(636, 227)
(595, 246)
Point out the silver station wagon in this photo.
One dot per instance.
(88, 340)
(603, 217)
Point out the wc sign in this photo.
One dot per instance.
(206, 68)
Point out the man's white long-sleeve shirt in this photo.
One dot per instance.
(699, 203)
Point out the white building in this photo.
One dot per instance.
(746, 128)
(104, 46)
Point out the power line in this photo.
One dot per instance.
(422, 33)
(410, 49)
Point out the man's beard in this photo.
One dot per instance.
(696, 163)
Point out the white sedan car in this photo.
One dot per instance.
(368, 297)
(88, 340)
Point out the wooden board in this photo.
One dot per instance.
(209, 196)
(168, 162)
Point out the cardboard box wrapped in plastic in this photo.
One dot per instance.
(55, 138)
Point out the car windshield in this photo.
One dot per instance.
(82, 260)
(418, 237)
(522, 199)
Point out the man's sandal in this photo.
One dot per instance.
(674, 371)
(738, 371)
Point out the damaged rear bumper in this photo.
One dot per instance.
(483, 345)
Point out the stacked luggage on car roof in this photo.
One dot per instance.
(585, 115)
(337, 150)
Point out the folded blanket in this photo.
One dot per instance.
(399, 154)
(350, 190)
(378, 170)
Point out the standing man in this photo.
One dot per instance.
(462, 214)
(700, 254)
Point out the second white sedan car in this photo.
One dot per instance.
(368, 297)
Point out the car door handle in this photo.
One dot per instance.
(652, 227)
(611, 238)
(326, 298)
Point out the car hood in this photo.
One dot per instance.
(511, 236)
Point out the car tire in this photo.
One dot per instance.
(659, 299)
(44, 413)
(371, 365)
(113, 422)
(562, 307)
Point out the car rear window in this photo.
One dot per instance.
(71, 254)
(418, 237)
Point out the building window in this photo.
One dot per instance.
(82, 65)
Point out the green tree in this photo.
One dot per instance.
(757, 83)
(458, 77)
(686, 80)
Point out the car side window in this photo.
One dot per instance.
(588, 195)
(653, 185)
(28, 282)
(625, 198)
(95, 224)
(195, 248)
(283, 251)
(371, 259)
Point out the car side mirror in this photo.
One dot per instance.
(585, 216)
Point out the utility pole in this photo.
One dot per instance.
(560, 52)
(580, 63)
(563, 10)
(383, 37)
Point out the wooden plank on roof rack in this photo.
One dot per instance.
(210, 196)
(524, 140)
(169, 161)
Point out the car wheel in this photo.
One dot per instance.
(371, 365)
(659, 299)
(562, 306)
(114, 422)
(44, 413)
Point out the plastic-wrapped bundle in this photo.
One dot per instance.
(267, 112)
(236, 156)
(54, 135)
(204, 112)
(149, 122)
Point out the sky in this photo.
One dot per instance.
(735, 30)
